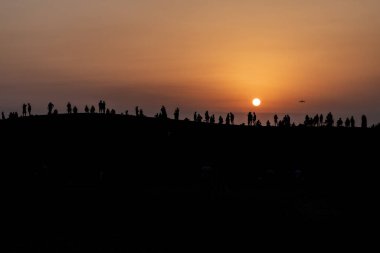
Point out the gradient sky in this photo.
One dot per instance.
(198, 54)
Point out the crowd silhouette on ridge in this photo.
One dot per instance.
(317, 120)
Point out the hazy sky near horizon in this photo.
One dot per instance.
(198, 54)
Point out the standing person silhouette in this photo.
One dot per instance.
(2, 116)
(164, 115)
(137, 111)
(104, 106)
(212, 119)
(275, 120)
(176, 114)
(228, 119)
(329, 120)
(364, 121)
(339, 123)
(50, 108)
(316, 121)
(232, 116)
(29, 109)
(347, 122)
(69, 109)
(24, 110)
(199, 118)
(220, 120)
(207, 117)
(352, 121)
(100, 106)
(250, 118)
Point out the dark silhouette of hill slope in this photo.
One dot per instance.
(101, 177)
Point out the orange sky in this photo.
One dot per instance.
(198, 54)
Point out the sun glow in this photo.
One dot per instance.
(256, 102)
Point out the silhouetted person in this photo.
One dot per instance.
(220, 120)
(113, 112)
(55, 112)
(137, 111)
(92, 109)
(195, 116)
(339, 123)
(258, 123)
(316, 120)
(29, 109)
(86, 109)
(321, 120)
(228, 119)
(268, 123)
(69, 109)
(2, 116)
(24, 110)
(75, 110)
(275, 120)
(176, 114)
(364, 121)
(50, 108)
(254, 118)
(232, 117)
(102, 106)
(199, 118)
(13, 115)
(352, 121)
(347, 123)
(307, 120)
(329, 120)
(207, 117)
(164, 115)
(250, 118)
(212, 119)
(108, 111)
(141, 113)
(285, 121)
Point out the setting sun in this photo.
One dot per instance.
(256, 102)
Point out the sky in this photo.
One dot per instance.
(196, 54)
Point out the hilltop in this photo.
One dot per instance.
(107, 165)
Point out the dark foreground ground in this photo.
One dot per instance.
(105, 183)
